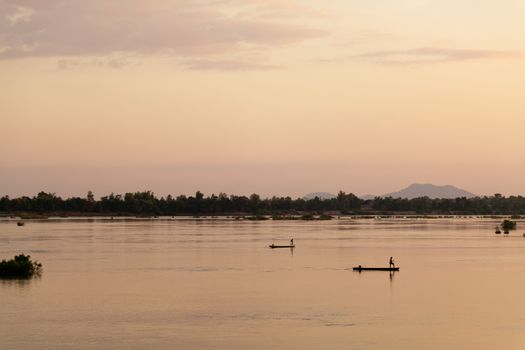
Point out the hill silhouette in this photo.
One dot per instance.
(321, 195)
(431, 191)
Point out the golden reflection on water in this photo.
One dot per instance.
(215, 284)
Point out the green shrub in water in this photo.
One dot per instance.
(20, 266)
(508, 225)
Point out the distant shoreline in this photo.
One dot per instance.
(246, 216)
(146, 204)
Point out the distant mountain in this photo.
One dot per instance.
(431, 191)
(321, 195)
(367, 197)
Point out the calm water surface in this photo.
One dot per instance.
(214, 284)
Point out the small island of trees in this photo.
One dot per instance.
(21, 266)
(508, 225)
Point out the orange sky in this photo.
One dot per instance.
(274, 97)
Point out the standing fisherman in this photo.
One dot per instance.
(392, 263)
(291, 241)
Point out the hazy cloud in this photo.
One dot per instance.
(427, 55)
(225, 65)
(112, 61)
(19, 14)
(193, 29)
(433, 55)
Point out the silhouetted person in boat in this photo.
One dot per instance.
(392, 263)
(291, 241)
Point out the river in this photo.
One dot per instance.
(189, 283)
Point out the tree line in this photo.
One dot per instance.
(146, 203)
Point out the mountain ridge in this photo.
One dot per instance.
(321, 195)
(432, 191)
(415, 190)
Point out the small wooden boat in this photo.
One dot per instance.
(506, 232)
(19, 224)
(361, 268)
(273, 246)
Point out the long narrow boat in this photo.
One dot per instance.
(273, 246)
(360, 268)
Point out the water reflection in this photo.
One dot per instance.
(391, 275)
(22, 284)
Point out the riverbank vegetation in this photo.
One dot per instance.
(21, 266)
(508, 225)
(146, 203)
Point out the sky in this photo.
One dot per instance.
(261, 96)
